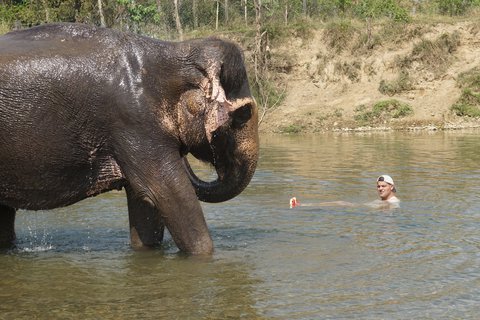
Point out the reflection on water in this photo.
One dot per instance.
(272, 262)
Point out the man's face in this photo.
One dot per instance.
(385, 190)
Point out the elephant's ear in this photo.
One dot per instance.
(217, 116)
(220, 113)
(221, 108)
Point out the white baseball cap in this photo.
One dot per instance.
(387, 179)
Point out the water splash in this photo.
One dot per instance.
(35, 249)
(37, 238)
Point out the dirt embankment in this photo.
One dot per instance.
(333, 86)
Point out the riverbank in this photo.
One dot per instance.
(407, 79)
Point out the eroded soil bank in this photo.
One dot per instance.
(334, 86)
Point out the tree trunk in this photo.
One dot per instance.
(216, 15)
(100, 13)
(258, 38)
(225, 10)
(195, 13)
(47, 11)
(178, 24)
(245, 9)
(163, 17)
(414, 6)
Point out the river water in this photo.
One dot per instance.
(421, 261)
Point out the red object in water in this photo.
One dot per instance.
(294, 203)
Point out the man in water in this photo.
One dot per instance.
(386, 191)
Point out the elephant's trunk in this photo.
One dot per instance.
(235, 168)
(229, 183)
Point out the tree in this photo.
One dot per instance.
(178, 23)
(245, 11)
(454, 7)
(195, 13)
(100, 13)
(225, 10)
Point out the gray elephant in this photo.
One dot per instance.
(85, 110)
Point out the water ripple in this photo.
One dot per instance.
(272, 262)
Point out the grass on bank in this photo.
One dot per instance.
(402, 83)
(382, 111)
(4, 27)
(468, 105)
(338, 35)
(434, 55)
(291, 129)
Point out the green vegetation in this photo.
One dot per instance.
(293, 128)
(335, 114)
(339, 35)
(402, 83)
(396, 32)
(374, 9)
(4, 28)
(351, 70)
(470, 79)
(382, 111)
(455, 7)
(469, 102)
(171, 17)
(466, 110)
(433, 55)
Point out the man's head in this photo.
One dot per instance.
(385, 187)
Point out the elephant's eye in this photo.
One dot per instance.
(241, 116)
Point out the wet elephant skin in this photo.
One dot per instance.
(85, 110)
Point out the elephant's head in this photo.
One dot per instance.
(218, 123)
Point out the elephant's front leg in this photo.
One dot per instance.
(181, 211)
(7, 226)
(172, 201)
(185, 222)
(159, 191)
(146, 225)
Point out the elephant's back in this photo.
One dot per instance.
(60, 31)
(50, 31)
(62, 39)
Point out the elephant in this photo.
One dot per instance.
(85, 110)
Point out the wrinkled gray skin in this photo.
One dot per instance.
(85, 110)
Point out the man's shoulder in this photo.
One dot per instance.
(391, 203)
(393, 200)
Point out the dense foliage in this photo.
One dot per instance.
(171, 17)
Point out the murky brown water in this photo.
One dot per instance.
(271, 262)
